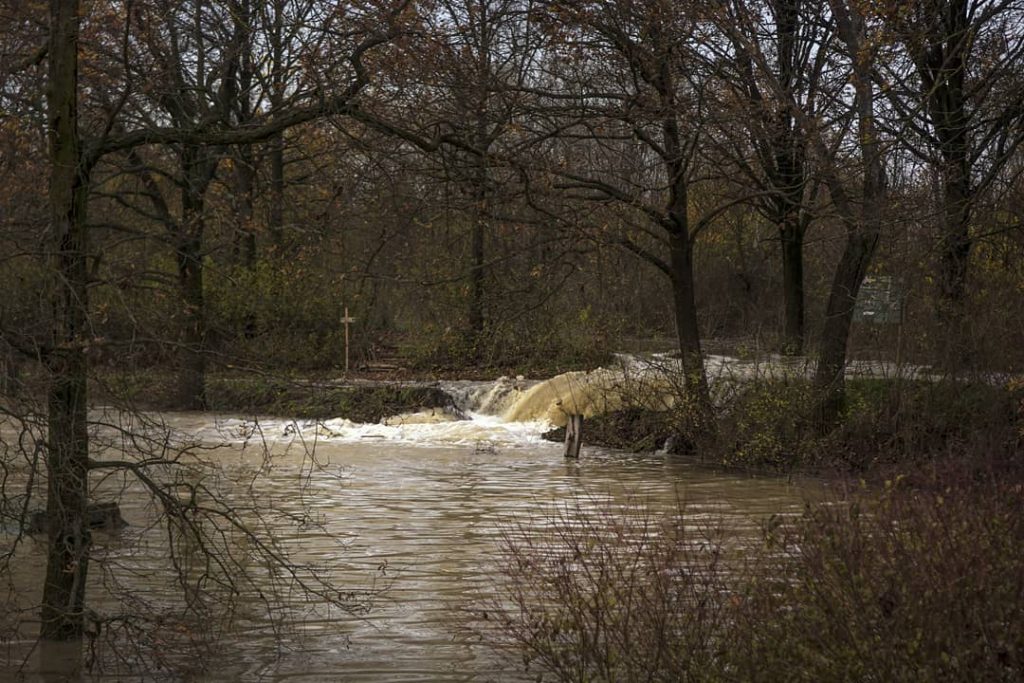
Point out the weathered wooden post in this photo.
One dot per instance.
(347, 319)
(573, 436)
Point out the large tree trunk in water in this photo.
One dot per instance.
(68, 446)
(688, 330)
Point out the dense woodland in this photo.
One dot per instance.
(491, 183)
(193, 189)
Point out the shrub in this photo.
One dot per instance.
(919, 581)
(907, 421)
(768, 425)
(919, 584)
(604, 593)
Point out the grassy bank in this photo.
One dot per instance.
(769, 425)
(357, 401)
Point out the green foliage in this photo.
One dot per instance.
(890, 421)
(279, 314)
(768, 426)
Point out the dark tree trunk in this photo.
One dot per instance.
(863, 220)
(791, 235)
(789, 177)
(687, 326)
(835, 335)
(198, 166)
(192, 370)
(941, 60)
(956, 246)
(245, 185)
(275, 222)
(477, 273)
(477, 321)
(68, 445)
(955, 258)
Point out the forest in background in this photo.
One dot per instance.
(522, 186)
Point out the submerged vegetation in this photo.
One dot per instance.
(918, 581)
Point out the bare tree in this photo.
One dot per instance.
(862, 212)
(758, 131)
(73, 157)
(631, 97)
(958, 104)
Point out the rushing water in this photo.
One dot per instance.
(415, 506)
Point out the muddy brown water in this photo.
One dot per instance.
(417, 507)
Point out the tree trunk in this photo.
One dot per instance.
(941, 56)
(792, 238)
(68, 442)
(245, 231)
(198, 166)
(789, 176)
(863, 221)
(955, 257)
(192, 372)
(687, 328)
(835, 335)
(477, 322)
(275, 223)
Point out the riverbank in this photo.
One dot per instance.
(768, 425)
(763, 415)
(359, 399)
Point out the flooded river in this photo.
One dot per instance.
(415, 507)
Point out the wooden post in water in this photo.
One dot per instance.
(573, 436)
(346, 319)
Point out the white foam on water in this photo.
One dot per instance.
(477, 431)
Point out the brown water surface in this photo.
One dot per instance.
(419, 511)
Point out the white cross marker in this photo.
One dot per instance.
(347, 319)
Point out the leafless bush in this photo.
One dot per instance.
(922, 583)
(595, 590)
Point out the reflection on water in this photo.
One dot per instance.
(420, 510)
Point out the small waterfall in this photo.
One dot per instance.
(487, 398)
(572, 393)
